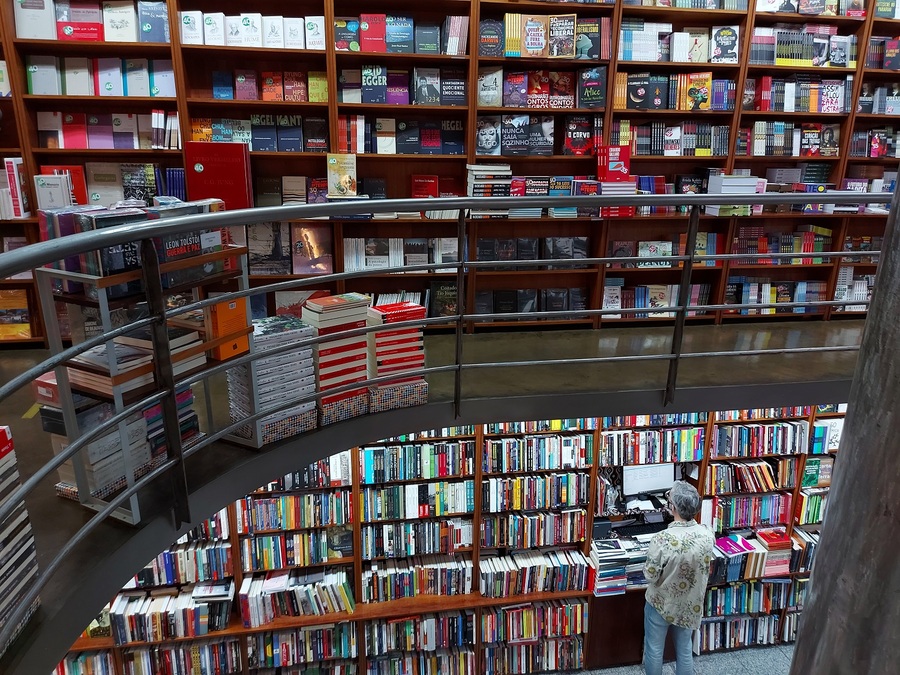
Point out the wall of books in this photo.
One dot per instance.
(470, 548)
(472, 97)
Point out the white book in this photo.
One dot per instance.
(191, 27)
(108, 73)
(386, 136)
(233, 36)
(790, 95)
(145, 131)
(273, 32)
(35, 20)
(137, 77)
(214, 28)
(5, 89)
(251, 29)
(119, 21)
(43, 75)
(52, 192)
(77, 76)
(315, 32)
(294, 33)
(49, 128)
(125, 125)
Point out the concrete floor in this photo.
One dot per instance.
(97, 567)
(752, 661)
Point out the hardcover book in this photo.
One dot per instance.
(428, 38)
(430, 142)
(263, 133)
(219, 171)
(724, 46)
(453, 137)
(428, 86)
(289, 131)
(372, 30)
(398, 87)
(315, 134)
(269, 247)
(408, 137)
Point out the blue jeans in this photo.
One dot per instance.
(655, 629)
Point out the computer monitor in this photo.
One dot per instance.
(647, 479)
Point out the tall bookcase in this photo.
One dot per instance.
(553, 473)
(194, 98)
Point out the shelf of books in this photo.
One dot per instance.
(480, 98)
(391, 552)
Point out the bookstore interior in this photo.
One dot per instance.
(403, 556)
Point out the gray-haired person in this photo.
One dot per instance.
(677, 571)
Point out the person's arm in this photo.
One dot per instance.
(656, 560)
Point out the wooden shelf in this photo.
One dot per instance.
(689, 115)
(536, 6)
(509, 110)
(393, 58)
(106, 153)
(67, 99)
(90, 48)
(779, 114)
(682, 158)
(10, 151)
(406, 110)
(794, 17)
(680, 66)
(88, 644)
(216, 50)
(528, 63)
(685, 16)
(784, 158)
(239, 103)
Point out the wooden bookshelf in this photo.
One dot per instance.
(193, 65)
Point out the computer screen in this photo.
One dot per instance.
(647, 479)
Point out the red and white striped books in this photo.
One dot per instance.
(343, 360)
(395, 352)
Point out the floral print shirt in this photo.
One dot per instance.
(677, 570)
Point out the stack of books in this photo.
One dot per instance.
(488, 180)
(731, 184)
(343, 360)
(93, 373)
(609, 558)
(778, 544)
(263, 384)
(296, 592)
(396, 352)
(17, 543)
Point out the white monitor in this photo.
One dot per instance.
(647, 479)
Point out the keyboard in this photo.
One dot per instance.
(640, 528)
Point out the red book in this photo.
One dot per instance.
(220, 171)
(83, 21)
(424, 186)
(614, 163)
(341, 327)
(74, 128)
(371, 33)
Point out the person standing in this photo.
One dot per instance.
(677, 571)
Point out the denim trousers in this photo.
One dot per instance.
(655, 629)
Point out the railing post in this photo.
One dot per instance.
(684, 297)
(165, 379)
(460, 307)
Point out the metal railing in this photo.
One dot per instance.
(45, 253)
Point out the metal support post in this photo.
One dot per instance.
(684, 298)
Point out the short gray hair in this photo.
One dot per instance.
(685, 499)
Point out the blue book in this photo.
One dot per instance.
(374, 84)
(290, 133)
(221, 130)
(222, 85)
(153, 20)
(399, 34)
(263, 136)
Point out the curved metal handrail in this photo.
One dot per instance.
(44, 253)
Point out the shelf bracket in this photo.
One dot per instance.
(165, 379)
(684, 298)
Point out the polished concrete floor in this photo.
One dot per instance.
(752, 661)
(95, 568)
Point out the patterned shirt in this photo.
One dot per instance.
(677, 570)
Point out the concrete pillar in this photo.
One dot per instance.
(851, 621)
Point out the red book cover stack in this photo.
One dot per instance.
(343, 360)
(399, 351)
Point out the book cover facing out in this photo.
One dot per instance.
(220, 171)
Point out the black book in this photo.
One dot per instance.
(453, 86)
(443, 299)
(506, 251)
(484, 302)
(506, 301)
(428, 38)
(374, 84)
(554, 299)
(453, 137)
(540, 135)
(526, 299)
(578, 298)
(486, 250)
(527, 249)
(430, 142)
(491, 40)
(514, 134)
(407, 137)
(315, 134)
(591, 87)
(263, 135)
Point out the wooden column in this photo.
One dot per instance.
(851, 614)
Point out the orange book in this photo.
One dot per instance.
(272, 86)
(227, 318)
